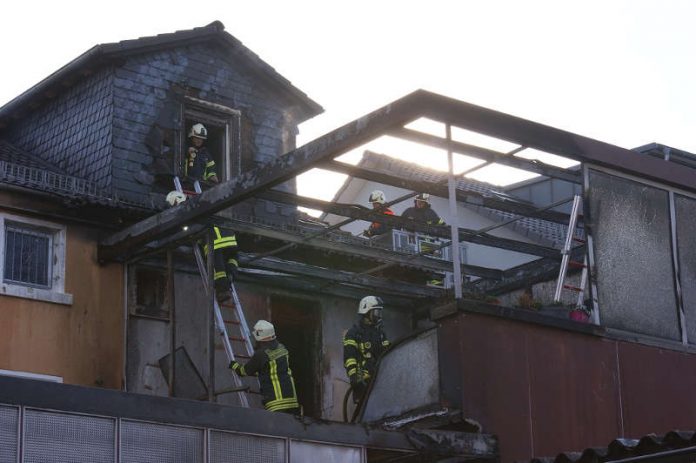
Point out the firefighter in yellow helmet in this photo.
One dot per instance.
(271, 363)
(364, 344)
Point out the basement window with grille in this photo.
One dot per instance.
(33, 259)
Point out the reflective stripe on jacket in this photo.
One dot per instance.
(271, 362)
(363, 345)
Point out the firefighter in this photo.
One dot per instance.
(363, 345)
(199, 163)
(225, 262)
(422, 212)
(378, 201)
(271, 363)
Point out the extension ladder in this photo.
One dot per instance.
(238, 320)
(566, 262)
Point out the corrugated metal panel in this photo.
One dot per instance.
(657, 389)
(573, 388)
(9, 418)
(155, 443)
(543, 390)
(494, 379)
(61, 437)
(303, 452)
(226, 447)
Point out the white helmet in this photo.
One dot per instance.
(368, 303)
(175, 197)
(423, 197)
(377, 196)
(264, 331)
(199, 131)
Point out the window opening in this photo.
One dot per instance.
(27, 256)
(221, 144)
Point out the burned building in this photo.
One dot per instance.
(102, 291)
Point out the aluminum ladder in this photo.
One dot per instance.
(238, 320)
(566, 262)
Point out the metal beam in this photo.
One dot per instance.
(524, 275)
(380, 122)
(362, 213)
(472, 198)
(485, 154)
(270, 174)
(342, 277)
(356, 247)
(551, 140)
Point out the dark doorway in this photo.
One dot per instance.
(298, 327)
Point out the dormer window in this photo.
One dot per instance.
(210, 142)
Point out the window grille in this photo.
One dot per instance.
(27, 256)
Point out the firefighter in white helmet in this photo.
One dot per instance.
(175, 197)
(378, 201)
(422, 212)
(364, 344)
(199, 163)
(271, 363)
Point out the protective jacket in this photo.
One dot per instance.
(377, 228)
(199, 164)
(271, 363)
(423, 214)
(363, 345)
(225, 251)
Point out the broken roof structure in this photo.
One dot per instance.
(88, 155)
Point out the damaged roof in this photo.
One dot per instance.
(543, 231)
(105, 53)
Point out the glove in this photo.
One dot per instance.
(235, 366)
(359, 387)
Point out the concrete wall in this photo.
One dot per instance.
(339, 315)
(148, 339)
(82, 342)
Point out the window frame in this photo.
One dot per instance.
(55, 291)
(217, 115)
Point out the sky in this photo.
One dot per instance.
(619, 71)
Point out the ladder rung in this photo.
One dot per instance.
(576, 264)
(574, 288)
(579, 240)
(228, 305)
(236, 338)
(232, 322)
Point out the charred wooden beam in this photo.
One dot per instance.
(485, 154)
(342, 277)
(357, 247)
(382, 121)
(468, 197)
(305, 285)
(525, 275)
(270, 174)
(362, 213)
